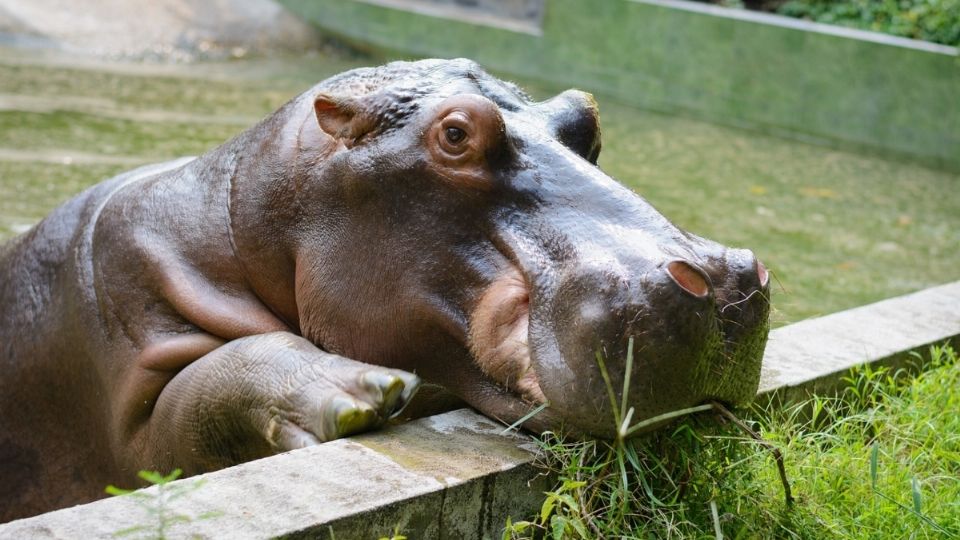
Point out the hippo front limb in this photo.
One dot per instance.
(263, 394)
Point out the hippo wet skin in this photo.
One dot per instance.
(414, 221)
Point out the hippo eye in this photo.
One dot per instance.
(454, 135)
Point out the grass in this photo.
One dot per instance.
(227, 89)
(881, 460)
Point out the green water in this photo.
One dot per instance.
(837, 229)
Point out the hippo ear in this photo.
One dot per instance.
(575, 119)
(343, 118)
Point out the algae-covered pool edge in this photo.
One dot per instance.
(837, 229)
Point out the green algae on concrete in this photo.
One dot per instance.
(90, 133)
(837, 229)
(29, 190)
(427, 452)
(779, 75)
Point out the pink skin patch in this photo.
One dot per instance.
(498, 335)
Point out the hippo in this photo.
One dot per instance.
(414, 221)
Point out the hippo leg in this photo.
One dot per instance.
(263, 394)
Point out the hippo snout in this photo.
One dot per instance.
(698, 327)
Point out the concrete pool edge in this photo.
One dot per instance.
(454, 474)
(815, 83)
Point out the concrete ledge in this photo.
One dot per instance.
(455, 475)
(812, 356)
(446, 476)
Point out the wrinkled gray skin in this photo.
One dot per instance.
(417, 218)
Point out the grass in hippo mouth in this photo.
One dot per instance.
(861, 467)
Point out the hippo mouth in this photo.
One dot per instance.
(499, 336)
(692, 351)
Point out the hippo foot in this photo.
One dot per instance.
(264, 394)
(350, 400)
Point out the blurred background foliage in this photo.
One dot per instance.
(937, 21)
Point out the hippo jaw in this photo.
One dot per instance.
(499, 336)
(681, 357)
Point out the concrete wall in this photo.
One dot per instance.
(827, 84)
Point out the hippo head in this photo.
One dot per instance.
(449, 225)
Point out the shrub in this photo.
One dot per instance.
(937, 21)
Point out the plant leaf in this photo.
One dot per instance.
(569, 485)
(558, 525)
(151, 476)
(547, 508)
(580, 528)
(568, 501)
(115, 491)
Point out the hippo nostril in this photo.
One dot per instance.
(762, 274)
(689, 278)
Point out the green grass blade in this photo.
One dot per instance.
(609, 385)
(624, 397)
(717, 531)
(667, 416)
(873, 464)
(632, 457)
(624, 481)
(115, 491)
(525, 417)
(915, 487)
(649, 491)
(625, 424)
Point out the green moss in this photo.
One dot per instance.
(30, 190)
(669, 58)
(837, 229)
(227, 89)
(98, 134)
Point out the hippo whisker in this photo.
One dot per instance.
(745, 299)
